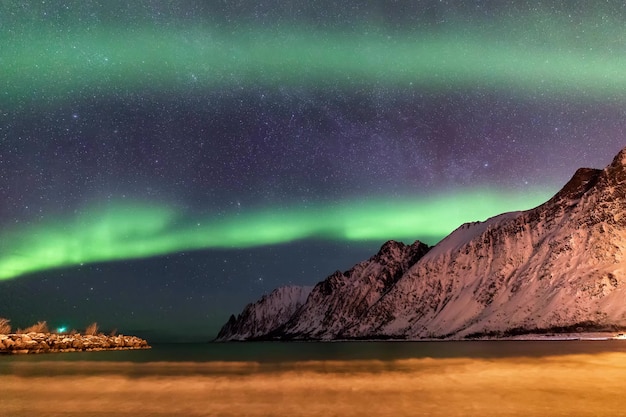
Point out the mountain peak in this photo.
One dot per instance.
(620, 159)
(582, 180)
(392, 249)
(616, 172)
(610, 181)
(559, 266)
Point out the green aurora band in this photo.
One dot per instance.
(533, 55)
(141, 230)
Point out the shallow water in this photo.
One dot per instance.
(304, 351)
(311, 379)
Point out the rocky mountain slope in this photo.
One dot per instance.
(558, 266)
(270, 312)
(323, 311)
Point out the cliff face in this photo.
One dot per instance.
(344, 299)
(266, 315)
(558, 265)
(322, 312)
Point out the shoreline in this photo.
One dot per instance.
(537, 337)
(559, 336)
(33, 343)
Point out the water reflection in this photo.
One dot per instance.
(573, 385)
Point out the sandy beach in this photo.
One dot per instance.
(573, 385)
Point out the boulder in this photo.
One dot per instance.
(8, 343)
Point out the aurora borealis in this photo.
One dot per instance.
(136, 231)
(188, 58)
(272, 144)
(561, 58)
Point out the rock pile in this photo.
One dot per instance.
(52, 342)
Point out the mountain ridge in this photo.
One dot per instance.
(559, 265)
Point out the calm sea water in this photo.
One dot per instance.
(281, 352)
(451, 379)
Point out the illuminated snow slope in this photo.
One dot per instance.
(267, 314)
(558, 265)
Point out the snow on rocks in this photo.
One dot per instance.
(266, 315)
(554, 268)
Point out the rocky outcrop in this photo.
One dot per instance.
(559, 266)
(343, 299)
(51, 342)
(266, 315)
(326, 310)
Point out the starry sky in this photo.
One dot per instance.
(163, 163)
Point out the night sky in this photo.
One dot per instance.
(163, 163)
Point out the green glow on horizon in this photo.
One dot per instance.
(530, 56)
(132, 231)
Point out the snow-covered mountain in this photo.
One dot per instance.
(558, 266)
(325, 309)
(261, 318)
(345, 298)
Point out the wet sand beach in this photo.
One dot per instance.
(569, 385)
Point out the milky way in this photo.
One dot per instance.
(203, 152)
